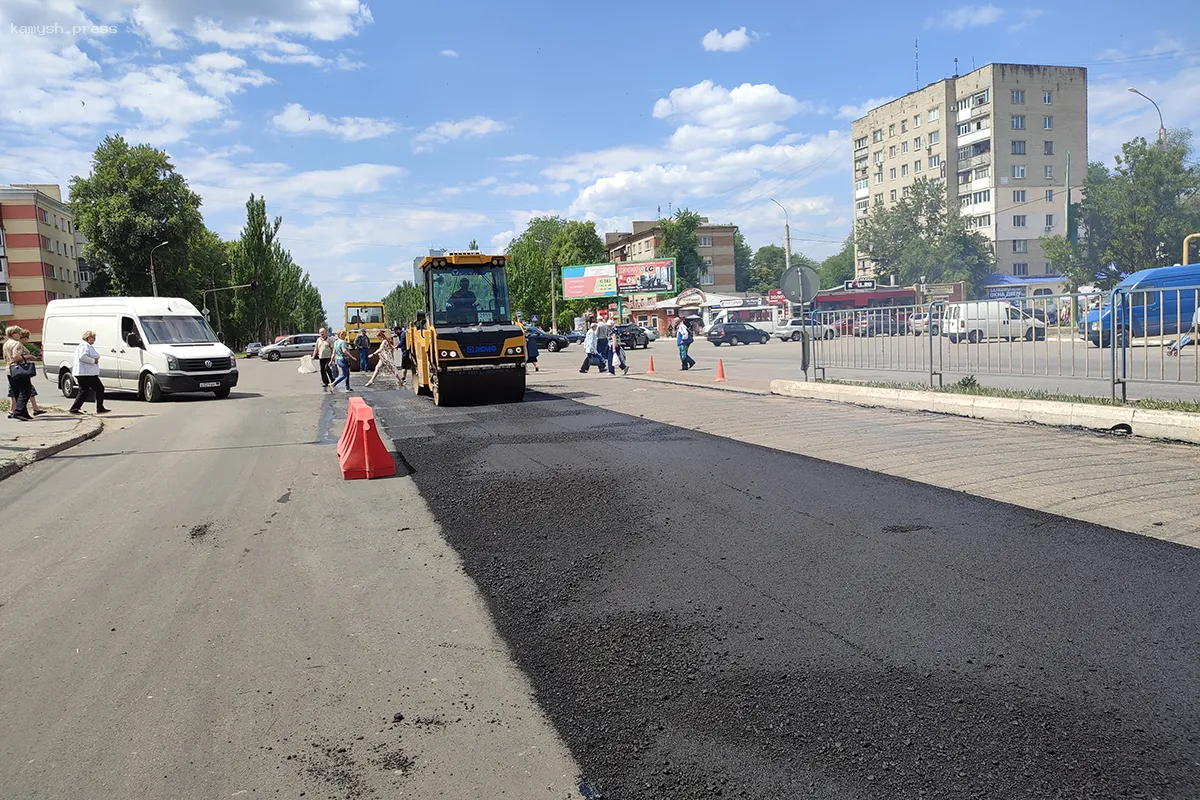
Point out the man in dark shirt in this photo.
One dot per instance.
(363, 344)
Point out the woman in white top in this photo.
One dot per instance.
(87, 374)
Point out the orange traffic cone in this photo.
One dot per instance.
(720, 370)
(651, 370)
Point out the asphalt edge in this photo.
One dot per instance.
(94, 426)
(711, 386)
(1178, 426)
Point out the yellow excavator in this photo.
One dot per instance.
(465, 346)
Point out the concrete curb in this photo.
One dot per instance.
(713, 386)
(92, 428)
(1145, 423)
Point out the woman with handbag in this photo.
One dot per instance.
(87, 374)
(20, 367)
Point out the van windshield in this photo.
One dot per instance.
(178, 330)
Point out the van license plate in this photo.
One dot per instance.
(210, 385)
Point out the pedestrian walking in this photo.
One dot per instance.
(386, 362)
(341, 360)
(363, 345)
(604, 347)
(33, 406)
(618, 351)
(87, 374)
(531, 350)
(406, 359)
(683, 338)
(19, 364)
(1191, 337)
(323, 353)
(591, 352)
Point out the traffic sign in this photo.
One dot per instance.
(800, 284)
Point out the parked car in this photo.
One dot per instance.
(919, 325)
(990, 319)
(252, 349)
(575, 337)
(651, 334)
(791, 329)
(295, 346)
(546, 340)
(881, 323)
(735, 333)
(633, 336)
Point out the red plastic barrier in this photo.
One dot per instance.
(361, 453)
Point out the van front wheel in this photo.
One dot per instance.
(150, 390)
(67, 385)
(222, 393)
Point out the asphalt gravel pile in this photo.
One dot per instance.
(705, 618)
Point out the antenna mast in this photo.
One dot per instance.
(917, 59)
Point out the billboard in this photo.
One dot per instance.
(646, 277)
(589, 280)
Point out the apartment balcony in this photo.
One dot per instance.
(859, 194)
(981, 160)
(861, 152)
(981, 109)
(974, 136)
(6, 309)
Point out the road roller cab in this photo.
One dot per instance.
(466, 346)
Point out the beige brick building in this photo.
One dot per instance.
(998, 139)
(716, 249)
(38, 255)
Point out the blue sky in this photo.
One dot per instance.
(378, 130)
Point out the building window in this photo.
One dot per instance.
(878, 156)
(46, 243)
(917, 143)
(1020, 245)
(935, 137)
(1018, 148)
(892, 129)
(1049, 170)
(878, 177)
(893, 196)
(1047, 148)
(1018, 122)
(1018, 99)
(860, 143)
(1018, 171)
(707, 278)
(903, 172)
(1048, 98)
(877, 135)
(1049, 195)
(861, 183)
(1047, 123)
(917, 165)
(982, 222)
(5, 297)
(935, 162)
(904, 126)
(1049, 268)
(904, 147)
(892, 174)
(917, 121)
(1018, 195)
(1018, 220)
(892, 151)
(56, 220)
(1020, 269)
(861, 206)
(981, 197)
(934, 114)
(879, 199)
(963, 128)
(1049, 221)
(906, 190)
(706, 241)
(707, 263)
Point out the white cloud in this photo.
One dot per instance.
(223, 74)
(1115, 115)
(1026, 17)
(501, 241)
(967, 17)
(715, 116)
(516, 189)
(715, 41)
(448, 54)
(860, 110)
(519, 158)
(442, 132)
(297, 119)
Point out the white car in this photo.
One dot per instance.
(791, 329)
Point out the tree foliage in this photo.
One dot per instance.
(839, 267)
(1136, 215)
(401, 304)
(132, 200)
(920, 237)
(768, 266)
(681, 243)
(529, 266)
(742, 257)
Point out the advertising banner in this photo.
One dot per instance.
(646, 276)
(589, 280)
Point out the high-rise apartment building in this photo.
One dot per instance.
(998, 139)
(38, 256)
(715, 246)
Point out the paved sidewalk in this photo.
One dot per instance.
(1127, 484)
(23, 443)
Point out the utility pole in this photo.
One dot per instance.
(153, 281)
(553, 301)
(787, 241)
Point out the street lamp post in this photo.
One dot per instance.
(1162, 130)
(787, 241)
(153, 281)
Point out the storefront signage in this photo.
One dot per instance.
(1005, 292)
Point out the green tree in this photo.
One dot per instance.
(919, 236)
(529, 266)
(1136, 215)
(1065, 261)
(132, 200)
(679, 241)
(839, 267)
(474, 245)
(575, 243)
(768, 266)
(742, 257)
(401, 304)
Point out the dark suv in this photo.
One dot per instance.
(632, 336)
(735, 333)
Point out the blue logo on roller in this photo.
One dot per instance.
(478, 349)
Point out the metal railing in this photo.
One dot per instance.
(1117, 337)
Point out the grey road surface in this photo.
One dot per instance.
(702, 617)
(197, 606)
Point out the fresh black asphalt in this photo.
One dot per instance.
(705, 618)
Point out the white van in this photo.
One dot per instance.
(151, 345)
(990, 319)
(765, 318)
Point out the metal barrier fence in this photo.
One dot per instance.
(1116, 337)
